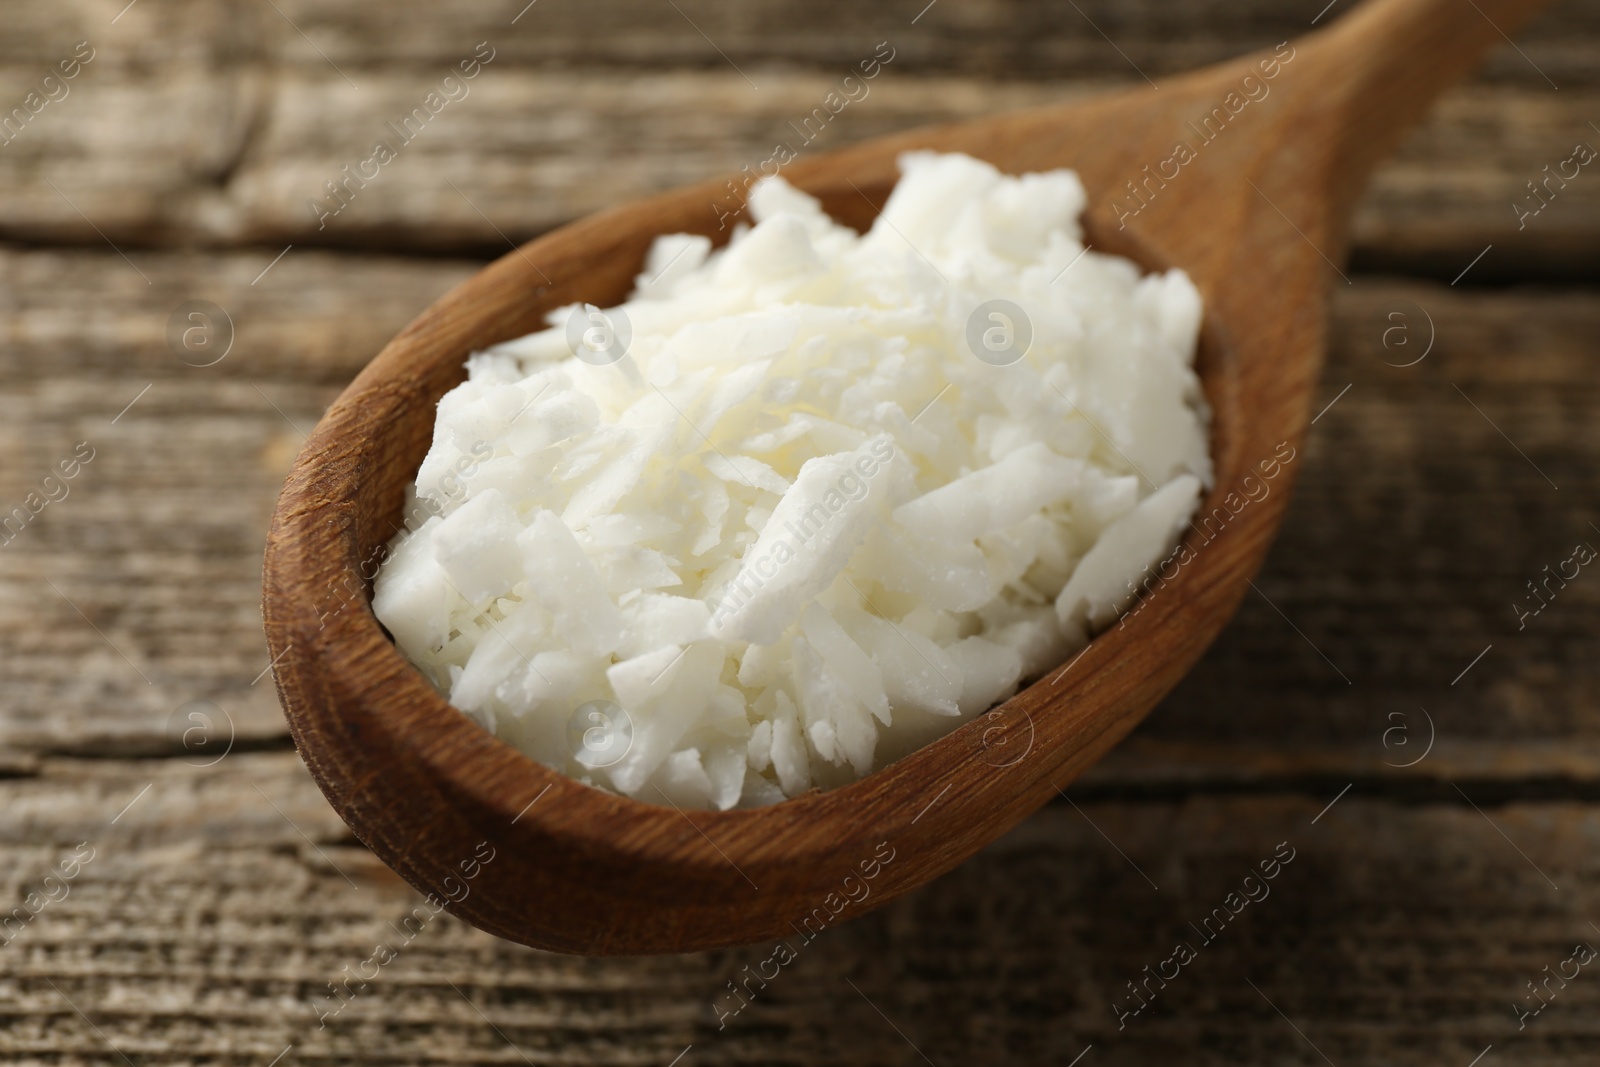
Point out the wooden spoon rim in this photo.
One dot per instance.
(444, 719)
(349, 675)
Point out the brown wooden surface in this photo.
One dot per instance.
(207, 924)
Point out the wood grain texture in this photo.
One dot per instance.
(232, 159)
(594, 873)
(158, 540)
(207, 929)
(216, 920)
(995, 39)
(1452, 521)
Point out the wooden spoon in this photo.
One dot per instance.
(1256, 212)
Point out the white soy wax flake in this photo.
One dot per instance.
(805, 502)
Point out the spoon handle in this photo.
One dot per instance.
(1377, 70)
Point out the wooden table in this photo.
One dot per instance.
(1429, 883)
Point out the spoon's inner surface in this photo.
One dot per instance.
(534, 283)
(583, 870)
(586, 871)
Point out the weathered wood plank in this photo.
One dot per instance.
(209, 922)
(1000, 39)
(216, 910)
(1414, 529)
(239, 158)
(1423, 511)
(158, 539)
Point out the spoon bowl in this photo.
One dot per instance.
(1256, 213)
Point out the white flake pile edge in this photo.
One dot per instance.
(815, 515)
